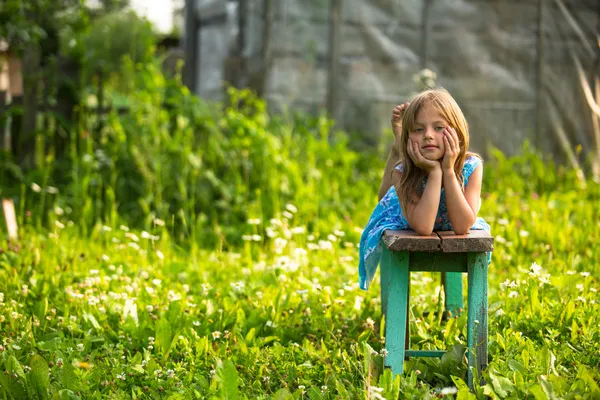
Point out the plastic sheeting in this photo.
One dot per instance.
(487, 53)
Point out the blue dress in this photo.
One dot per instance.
(388, 215)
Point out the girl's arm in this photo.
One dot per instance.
(388, 179)
(462, 207)
(388, 176)
(421, 214)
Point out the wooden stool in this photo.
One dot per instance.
(445, 252)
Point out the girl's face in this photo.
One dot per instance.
(428, 133)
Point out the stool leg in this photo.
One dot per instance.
(453, 288)
(385, 279)
(396, 318)
(477, 332)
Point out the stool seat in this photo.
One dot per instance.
(407, 251)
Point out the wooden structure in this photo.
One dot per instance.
(8, 209)
(445, 252)
(11, 87)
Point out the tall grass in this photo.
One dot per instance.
(203, 168)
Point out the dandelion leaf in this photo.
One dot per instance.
(227, 377)
(163, 336)
(38, 377)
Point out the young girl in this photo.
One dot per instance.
(436, 185)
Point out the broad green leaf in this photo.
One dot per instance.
(250, 335)
(40, 308)
(502, 386)
(13, 366)
(283, 394)
(574, 329)
(38, 377)
(240, 320)
(547, 388)
(163, 336)
(174, 315)
(227, 377)
(585, 375)
(67, 378)
(516, 366)
(66, 394)
(92, 320)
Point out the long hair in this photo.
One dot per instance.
(409, 188)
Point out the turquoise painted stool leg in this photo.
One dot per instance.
(453, 289)
(396, 289)
(477, 319)
(384, 268)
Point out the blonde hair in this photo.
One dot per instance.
(410, 184)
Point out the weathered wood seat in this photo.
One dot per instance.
(406, 251)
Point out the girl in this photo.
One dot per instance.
(436, 185)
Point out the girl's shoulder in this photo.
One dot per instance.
(471, 163)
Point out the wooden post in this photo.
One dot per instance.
(9, 216)
(335, 20)
(4, 145)
(424, 34)
(31, 78)
(242, 79)
(266, 47)
(190, 45)
(539, 92)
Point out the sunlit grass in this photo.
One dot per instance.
(127, 311)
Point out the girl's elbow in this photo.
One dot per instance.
(461, 231)
(422, 231)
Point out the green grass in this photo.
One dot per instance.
(120, 314)
(201, 251)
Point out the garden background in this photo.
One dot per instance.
(171, 246)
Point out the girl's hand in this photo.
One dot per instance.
(397, 115)
(420, 161)
(451, 148)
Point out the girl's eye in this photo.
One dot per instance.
(419, 130)
(440, 128)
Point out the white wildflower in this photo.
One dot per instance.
(298, 230)
(535, 269)
(287, 215)
(448, 391)
(132, 236)
(270, 232)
